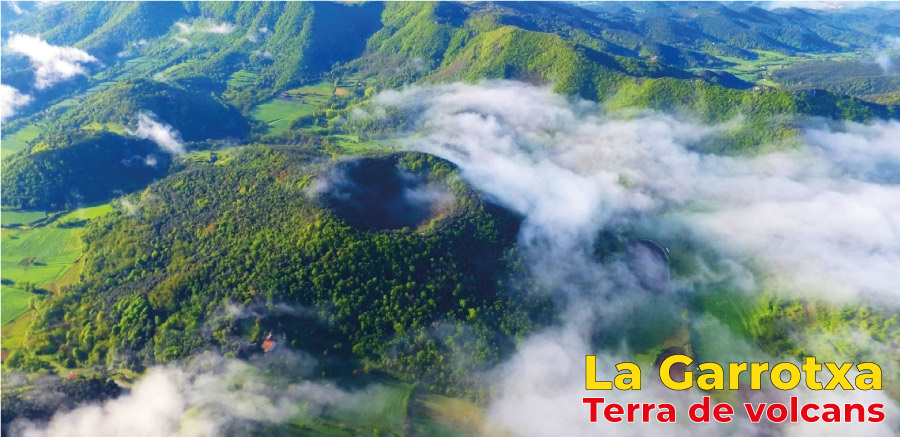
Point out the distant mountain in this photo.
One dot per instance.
(735, 29)
(584, 48)
(200, 67)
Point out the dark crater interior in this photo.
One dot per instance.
(377, 193)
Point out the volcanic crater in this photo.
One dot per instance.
(382, 193)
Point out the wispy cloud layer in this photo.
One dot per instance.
(821, 220)
(52, 64)
(826, 215)
(208, 396)
(15, 7)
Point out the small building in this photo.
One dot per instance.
(269, 343)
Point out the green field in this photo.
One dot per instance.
(319, 89)
(111, 127)
(382, 410)
(437, 415)
(217, 157)
(15, 303)
(385, 409)
(241, 78)
(757, 70)
(352, 143)
(278, 113)
(396, 409)
(724, 328)
(737, 311)
(19, 140)
(40, 255)
(12, 218)
(87, 213)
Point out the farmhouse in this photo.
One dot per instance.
(268, 345)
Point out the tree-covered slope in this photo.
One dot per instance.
(512, 53)
(94, 168)
(855, 78)
(248, 52)
(768, 117)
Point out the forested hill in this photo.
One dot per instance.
(280, 228)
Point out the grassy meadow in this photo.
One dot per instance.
(278, 113)
(39, 252)
(18, 140)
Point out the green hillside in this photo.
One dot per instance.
(194, 115)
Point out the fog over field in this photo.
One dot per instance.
(823, 215)
(820, 220)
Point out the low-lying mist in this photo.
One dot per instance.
(823, 215)
(819, 221)
(210, 395)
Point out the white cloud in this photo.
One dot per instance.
(52, 63)
(828, 5)
(825, 216)
(263, 54)
(161, 133)
(253, 35)
(184, 27)
(221, 28)
(10, 99)
(206, 397)
(884, 53)
(892, 42)
(133, 47)
(202, 27)
(823, 219)
(883, 59)
(183, 40)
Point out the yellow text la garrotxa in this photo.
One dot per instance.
(674, 374)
